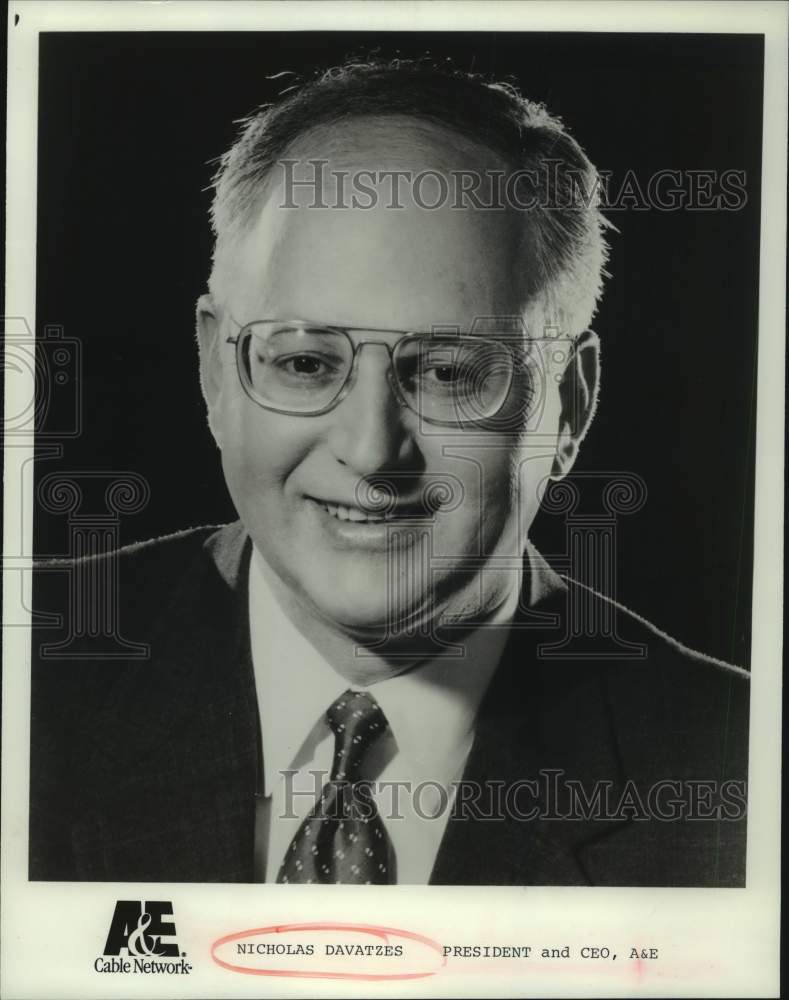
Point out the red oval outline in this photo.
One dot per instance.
(373, 929)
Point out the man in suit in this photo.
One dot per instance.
(366, 678)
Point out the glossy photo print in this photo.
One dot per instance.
(391, 483)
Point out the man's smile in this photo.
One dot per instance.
(356, 514)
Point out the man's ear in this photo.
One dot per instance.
(578, 395)
(210, 362)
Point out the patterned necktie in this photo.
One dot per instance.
(343, 839)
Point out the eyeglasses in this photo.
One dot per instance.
(303, 369)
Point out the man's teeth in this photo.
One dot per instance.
(350, 513)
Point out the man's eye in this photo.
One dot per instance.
(445, 374)
(303, 364)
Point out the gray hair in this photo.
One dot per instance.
(566, 226)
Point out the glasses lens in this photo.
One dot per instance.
(454, 380)
(293, 367)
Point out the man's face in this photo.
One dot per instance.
(297, 481)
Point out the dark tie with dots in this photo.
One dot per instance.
(343, 840)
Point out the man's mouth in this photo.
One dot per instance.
(346, 512)
(343, 513)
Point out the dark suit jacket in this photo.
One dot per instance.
(147, 770)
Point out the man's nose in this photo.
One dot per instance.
(369, 429)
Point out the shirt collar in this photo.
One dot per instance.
(431, 709)
(295, 685)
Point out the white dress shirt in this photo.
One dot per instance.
(431, 711)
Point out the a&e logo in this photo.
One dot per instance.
(138, 928)
(139, 938)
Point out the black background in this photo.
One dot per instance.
(128, 125)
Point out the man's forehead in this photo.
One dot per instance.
(440, 267)
(348, 232)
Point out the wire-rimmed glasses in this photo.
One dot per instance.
(302, 368)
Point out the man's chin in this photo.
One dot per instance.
(365, 615)
(356, 615)
(369, 604)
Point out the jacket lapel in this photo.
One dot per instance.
(540, 722)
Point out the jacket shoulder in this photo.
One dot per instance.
(674, 710)
(96, 618)
(673, 705)
(642, 631)
(161, 550)
(126, 584)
